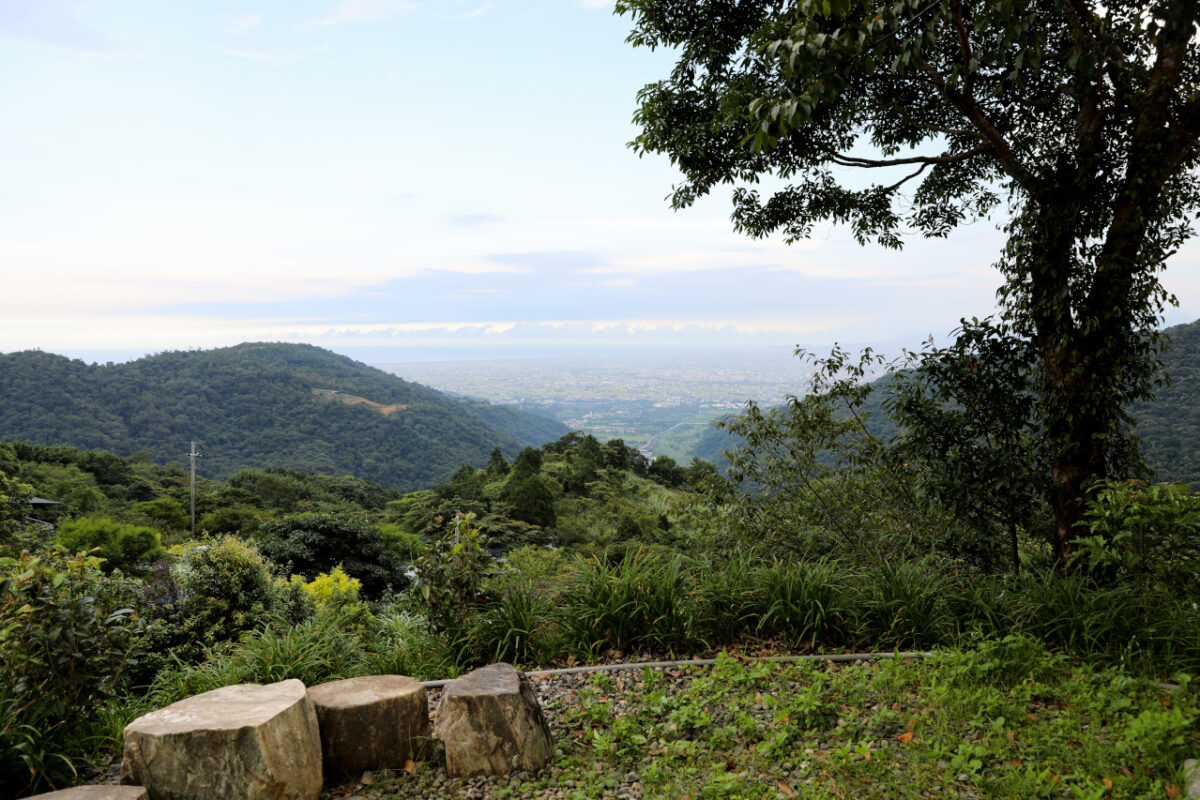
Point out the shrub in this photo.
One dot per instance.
(337, 593)
(641, 601)
(167, 512)
(1073, 613)
(517, 628)
(730, 600)
(309, 544)
(64, 648)
(1147, 533)
(235, 518)
(405, 644)
(450, 576)
(129, 548)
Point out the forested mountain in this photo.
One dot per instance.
(288, 406)
(1169, 427)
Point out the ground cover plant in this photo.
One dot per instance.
(1006, 719)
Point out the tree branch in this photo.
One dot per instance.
(906, 179)
(927, 161)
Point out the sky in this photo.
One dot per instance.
(401, 180)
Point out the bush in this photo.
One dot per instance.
(314, 651)
(64, 648)
(450, 576)
(517, 628)
(406, 644)
(129, 548)
(309, 544)
(730, 600)
(336, 592)
(167, 512)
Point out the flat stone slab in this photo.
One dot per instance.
(372, 722)
(107, 792)
(491, 724)
(244, 742)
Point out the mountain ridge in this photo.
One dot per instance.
(254, 404)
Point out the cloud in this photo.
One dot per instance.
(559, 260)
(474, 220)
(52, 22)
(479, 12)
(255, 54)
(239, 25)
(596, 4)
(358, 11)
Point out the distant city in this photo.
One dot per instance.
(660, 402)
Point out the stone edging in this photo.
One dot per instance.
(704, 662)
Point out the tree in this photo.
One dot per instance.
(967, 414)
(1075, 119)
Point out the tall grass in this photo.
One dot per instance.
(903, 604)
(806, 601)
(642, 601)
(518, 628)
(729, 600)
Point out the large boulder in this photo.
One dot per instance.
(105, 792)
(491, 724)
(372, 722)
(245, 742)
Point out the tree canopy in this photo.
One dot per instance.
(1074, 121)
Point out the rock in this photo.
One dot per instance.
(373, 722)
(107, 792)
(490, 723)
(245, 742)
(1191, 779)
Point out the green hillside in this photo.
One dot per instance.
(289, 406)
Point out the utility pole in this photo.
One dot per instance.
(192, 454)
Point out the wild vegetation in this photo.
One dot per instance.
(573, 552)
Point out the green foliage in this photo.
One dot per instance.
(806, 601)
(810, 477)
(516, 627)
(904, 603)
(641, 601)
(129, 548)
(167, 512)
(309, 544)
(967, 412)
(65, 644)
(1145, 533)
(406, 644)
(228, 587)
(236, 519)
(16, 533)
(450, 576)
(337, 592)
(730, 600)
